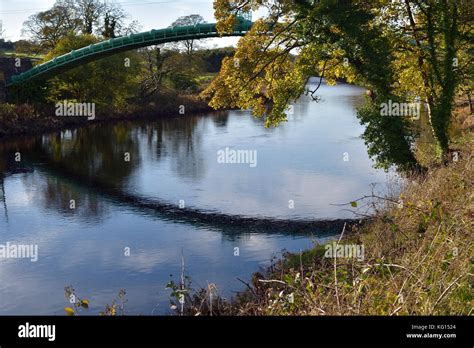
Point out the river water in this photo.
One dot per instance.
(117, 206)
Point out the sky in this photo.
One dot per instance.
(151, 14)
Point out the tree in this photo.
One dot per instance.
(48, 27)
(88, 12)
(170, 69)
(6, 45)
(78, 16)
(213, 58)
(191, 20)
(28, 47)
(153, 72)
(115, 22)
(360, 40)
(108, 82)
(434, 28)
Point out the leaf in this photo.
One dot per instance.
(354, 204)
(69, 311)
(287, 279)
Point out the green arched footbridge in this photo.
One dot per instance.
(126, 43)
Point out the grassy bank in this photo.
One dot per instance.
(417, 258)
(27, 119)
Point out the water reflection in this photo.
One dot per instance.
(220, 119)
(155, 165)
(107, 153)
(176, 139)
(69, 200)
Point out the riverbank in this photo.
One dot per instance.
(413, 258)
(27, 119)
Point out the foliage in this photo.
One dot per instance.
(387, 138)
(6, 45)
(432, 41)
(169, 69)
(369, 42)
(77, 304)
(108, 82)
(28, 47)
(213, 58)
(184, 82)
(187, 301)
(117, 307)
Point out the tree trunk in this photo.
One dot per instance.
(469, 101)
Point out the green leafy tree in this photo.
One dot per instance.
(432, 41)
(367, 42)
(265, 75)
(108, 82)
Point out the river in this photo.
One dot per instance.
(118, 205)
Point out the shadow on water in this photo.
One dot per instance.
(88, 164)
(227, 224)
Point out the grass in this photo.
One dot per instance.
(22, 55)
